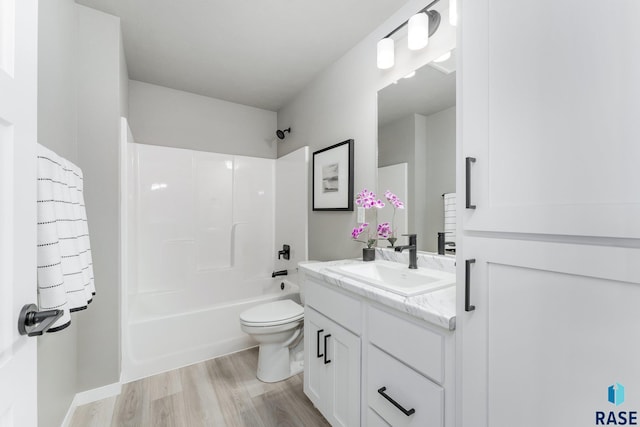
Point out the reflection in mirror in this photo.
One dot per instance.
(416, 153)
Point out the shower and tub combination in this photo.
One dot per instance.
(202, 232)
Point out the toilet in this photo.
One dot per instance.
(277, 327)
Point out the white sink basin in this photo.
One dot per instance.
(396, 277)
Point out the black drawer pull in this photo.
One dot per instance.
(326, 353)
(467, 285)
(410, 412)
(468, 204)
(318, 355)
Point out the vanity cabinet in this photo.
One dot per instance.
(367, 364)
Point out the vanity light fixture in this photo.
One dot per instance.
(385, 53)
(422, 25)
(453, 12)
(418, 31)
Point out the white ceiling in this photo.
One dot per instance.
(253, 52)
(426, 93)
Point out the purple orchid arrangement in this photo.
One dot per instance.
(388, 232)
(368, 200)
(385, 231)
(393, 199)
(357, 231)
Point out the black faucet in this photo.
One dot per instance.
(442, 249)
(285, 252)
(279, 273)
(413, 250)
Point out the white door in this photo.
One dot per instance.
(18, 128)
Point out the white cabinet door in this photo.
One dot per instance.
(315, 378)
(18, 125)
(344, 365)
(332, 369)
(554, 326)
(550, 100)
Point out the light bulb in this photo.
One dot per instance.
(418, 31)
(453, 12)
(385, 53)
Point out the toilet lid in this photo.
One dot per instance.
(272, 313)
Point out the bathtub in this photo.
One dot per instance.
(168, 330)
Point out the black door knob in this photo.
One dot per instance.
(32, 322)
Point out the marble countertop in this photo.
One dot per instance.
(436, 307)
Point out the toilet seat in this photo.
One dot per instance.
(272, 314)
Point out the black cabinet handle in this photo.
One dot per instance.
(467, 285)
(318, 355)
(326, 353)
(410, 412)
(468, 204)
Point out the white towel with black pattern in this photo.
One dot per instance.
(65, 269)
(450, 221)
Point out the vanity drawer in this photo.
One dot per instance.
(418, 347)
(341, 308)
(374, 420)
(407, 388)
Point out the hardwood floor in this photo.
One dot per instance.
(219, 392)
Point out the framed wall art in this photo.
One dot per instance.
(333, 178)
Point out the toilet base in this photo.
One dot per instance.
(276, 364)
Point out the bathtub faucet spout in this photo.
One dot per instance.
(279, 273)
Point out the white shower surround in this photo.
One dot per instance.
(200, 239)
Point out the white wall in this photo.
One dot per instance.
(440, 173)
(57, 130)
(57, 73)
(428, 145)
(80, 88)
(173, 118)
(123, 79)
(291, 222)
(396, 179)
(397, 144)
(340, 103)
(100, 87)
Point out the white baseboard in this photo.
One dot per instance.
(91, 396)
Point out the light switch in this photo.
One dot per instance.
(360, 219)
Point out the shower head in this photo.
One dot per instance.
(280, 133)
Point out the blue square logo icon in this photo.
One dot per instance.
(616, 394)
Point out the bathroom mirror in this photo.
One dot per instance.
(416, 153)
